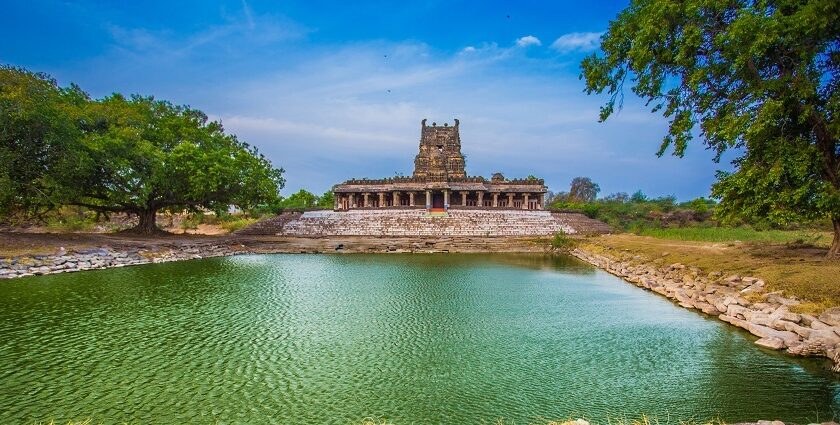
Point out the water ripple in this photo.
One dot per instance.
(413, 338)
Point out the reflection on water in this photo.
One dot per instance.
(414, 338)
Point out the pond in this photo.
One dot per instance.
(443, 338)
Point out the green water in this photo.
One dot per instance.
(412, 338)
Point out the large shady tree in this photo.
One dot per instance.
(38, 141)
(760, 77)
(141, 155)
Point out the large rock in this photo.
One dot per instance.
(831, 316)
(734, 320)
(793, 327)
(771, 342)
(760, 331)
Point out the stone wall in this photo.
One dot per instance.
(106, 257)
(739, 300)
(412, 222)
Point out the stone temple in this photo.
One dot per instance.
(439, 201)
(440, 182)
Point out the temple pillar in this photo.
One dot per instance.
(510, 200)
(464, 198)
(539, 201)
(495, 200)
(396, 199)
(525, 203)
(445, 199)
(381, 199)
(366, 202)
(336, 201)
(352, 200)
(410, 199)
(428, 199)
(480, 199)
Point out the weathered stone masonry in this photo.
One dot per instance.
(440, 182)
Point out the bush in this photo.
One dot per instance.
(561, 242)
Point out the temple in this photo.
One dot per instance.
(440, 182)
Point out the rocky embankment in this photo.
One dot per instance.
(740, 300)
(120, 253)
(105, 257)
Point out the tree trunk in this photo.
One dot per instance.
(834, 252)
(148, 224)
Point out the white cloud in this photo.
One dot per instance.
(334, 112)
(528, 40)
(577, 41)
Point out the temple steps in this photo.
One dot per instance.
(414, 222)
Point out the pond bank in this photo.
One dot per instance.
(24, 254)
(742, 301)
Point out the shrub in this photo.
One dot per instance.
(562, 242)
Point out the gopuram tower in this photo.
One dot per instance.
(440, 155)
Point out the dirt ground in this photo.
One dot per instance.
(799, 270)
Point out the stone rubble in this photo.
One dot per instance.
(106, 257)
(739, 300)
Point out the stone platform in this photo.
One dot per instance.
(417, 223)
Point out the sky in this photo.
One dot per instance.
(336, 90)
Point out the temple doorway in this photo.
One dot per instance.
(437, 200)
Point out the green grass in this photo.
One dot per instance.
(743, 234)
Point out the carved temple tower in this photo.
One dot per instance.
(440, 182)
(440, 156)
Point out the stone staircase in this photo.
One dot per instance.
(414, 222)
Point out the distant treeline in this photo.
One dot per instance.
(635, 212)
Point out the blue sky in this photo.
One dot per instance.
(334, 90)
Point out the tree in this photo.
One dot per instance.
(757, 76)
(583, 189)
(302, 199)
(38, 140)
(327, 200)
(638, 196)
(140, 155)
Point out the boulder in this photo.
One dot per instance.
(733, 279)
(760, 331)
(735, 310)
(793, 327)
(778, 299)
(831, 316)
(753, 289)
(707, 308)
(734, 320)
(827, 336)
(771, 342)
(816, 324)
(759, 319)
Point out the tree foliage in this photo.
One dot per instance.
(135, 155)
(327, 200)
(583, 189)
(757, 76)
(301, 199)
(38, 140)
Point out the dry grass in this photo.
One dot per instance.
(795, 269)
